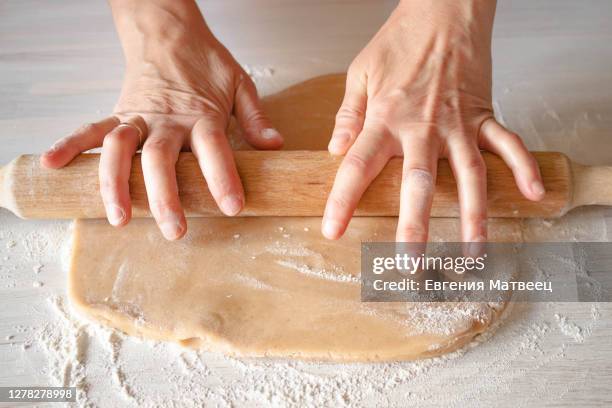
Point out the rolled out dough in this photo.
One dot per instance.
(267, 286)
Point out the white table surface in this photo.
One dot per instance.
(61, 65)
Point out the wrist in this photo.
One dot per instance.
(151, 30)
(450, 13)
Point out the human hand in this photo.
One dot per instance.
(421, 89)
(181, 85)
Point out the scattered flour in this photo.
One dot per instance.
(65, 342)
(252, 282)
(439, 318)
(321, 273)
(110, 369)
(569, 329)
(285, 249)
(196, 377)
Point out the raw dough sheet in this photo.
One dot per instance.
(267, 286)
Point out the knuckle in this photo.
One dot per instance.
(124, 131)
(515, 142)
(109, 184)
(515, 137)
(398, 94)
(340, 203)
(380, 111)
(357, 162)
(387, 110)
(531, 161)
(420, 175)
(211, 116)
(88, 128)
(395, 97)
(348, 113)
(210, 123)
(157, 148)
(112, 138)
(161, 207)
(475, 163)
(255, 118)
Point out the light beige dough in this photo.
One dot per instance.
(267, 286)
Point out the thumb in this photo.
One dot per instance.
(256, 126)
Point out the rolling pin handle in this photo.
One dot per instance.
(592, 185)
(7, 195)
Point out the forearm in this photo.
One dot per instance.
(149, 28)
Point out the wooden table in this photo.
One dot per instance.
(61, 65)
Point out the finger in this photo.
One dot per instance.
(363, 162)
(470, 172)
(85, 138)
(418, 186)
(257, 127)
(118, 148)
(350, 116)
(509, 146)
(159, 155)
(211, 147)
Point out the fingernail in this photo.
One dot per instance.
(331, 229)
(338, 141)
(171, 229)
(115, 214)
(538, 188)
(270, 134)
(231, 204)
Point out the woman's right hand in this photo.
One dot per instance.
(180, 88)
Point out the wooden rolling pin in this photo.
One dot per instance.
(294, 183)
